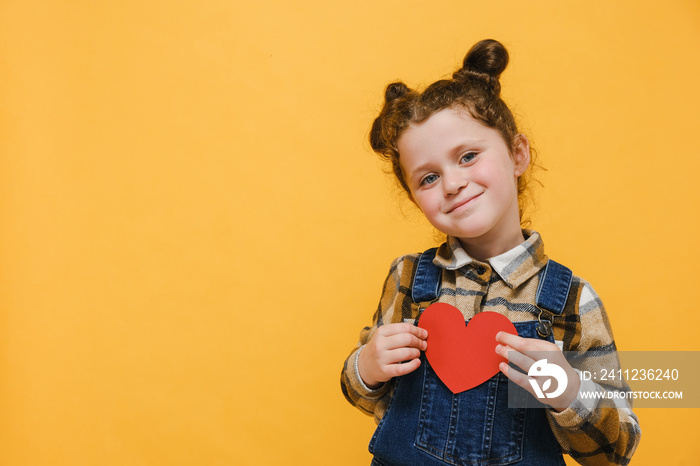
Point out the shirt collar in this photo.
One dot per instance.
(514, 267)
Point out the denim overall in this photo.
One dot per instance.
(426, 424)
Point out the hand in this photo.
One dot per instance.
(394, 350)
(523, 353)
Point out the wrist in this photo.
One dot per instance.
(369, 383)
(571, 393)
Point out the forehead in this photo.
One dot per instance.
(443, 133)
(447, 123)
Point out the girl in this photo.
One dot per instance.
(456, 151)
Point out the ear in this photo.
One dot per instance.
(521, 154)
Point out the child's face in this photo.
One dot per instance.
(463, 177)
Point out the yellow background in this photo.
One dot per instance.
(193, 229)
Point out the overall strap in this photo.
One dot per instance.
(552, 292)
(426, 279)
(554, 286)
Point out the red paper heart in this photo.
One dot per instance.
(463, 356)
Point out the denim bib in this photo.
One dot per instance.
(426, 424)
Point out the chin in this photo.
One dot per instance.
(472, 232)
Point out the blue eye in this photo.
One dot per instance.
(429, 179)
(468, 157)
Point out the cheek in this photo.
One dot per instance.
(426, 202)
(498, 176)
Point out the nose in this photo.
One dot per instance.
(454, 181)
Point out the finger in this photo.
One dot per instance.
(402, 355)
(509, 339)
(527, 346)
(403, 327)
(402, 369)
(405, 340)
(518, 378)
(521, 360)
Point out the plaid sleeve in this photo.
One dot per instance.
(594, 432)
(394, 306)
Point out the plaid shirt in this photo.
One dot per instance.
(591, 432)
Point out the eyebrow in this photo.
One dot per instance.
(419, 169)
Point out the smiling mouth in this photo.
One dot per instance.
(462, 203)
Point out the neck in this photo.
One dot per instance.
(484, 248)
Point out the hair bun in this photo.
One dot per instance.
(488, 57)
(395, 90)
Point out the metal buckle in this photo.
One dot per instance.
(544, 328)
(424, 305)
